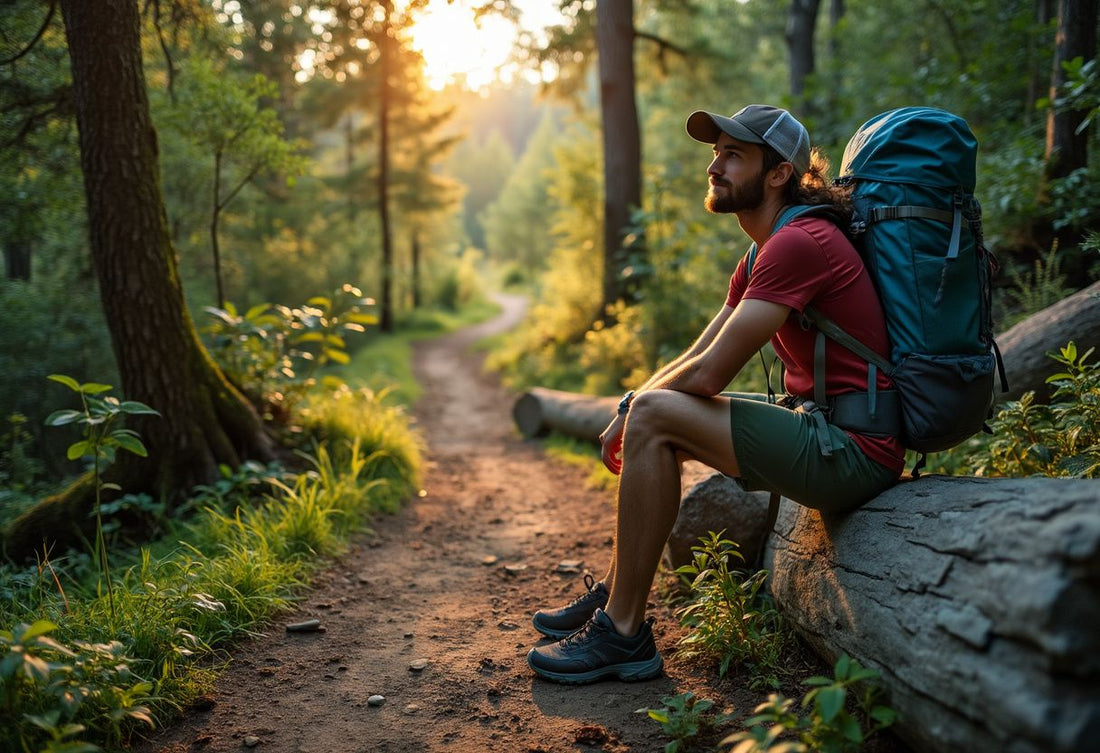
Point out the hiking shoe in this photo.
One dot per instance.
(597, 651)
(558, 623)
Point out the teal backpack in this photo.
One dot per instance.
(917, 226)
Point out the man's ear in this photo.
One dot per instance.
(780, 174)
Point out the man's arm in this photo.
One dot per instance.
(697, 348)
(738, 333)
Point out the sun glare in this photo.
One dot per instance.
(457, 49)
(454, 46)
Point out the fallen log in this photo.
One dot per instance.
(1024, 346)
(539, 411)
(978, 600)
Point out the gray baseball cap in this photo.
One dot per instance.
(756, 124)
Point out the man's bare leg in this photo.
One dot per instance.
(663, 427)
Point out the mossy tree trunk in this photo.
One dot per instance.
(203, 420)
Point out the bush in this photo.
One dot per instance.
(836, 707)
(731, 618)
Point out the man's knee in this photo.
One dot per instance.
(646, 410)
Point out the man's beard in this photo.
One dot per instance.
(748, 195)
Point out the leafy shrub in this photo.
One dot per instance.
(683, 717)
(1059, 439)
(273, 353)
(836, 710)
(59, 689)
(731, 619)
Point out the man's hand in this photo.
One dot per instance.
(611, 445)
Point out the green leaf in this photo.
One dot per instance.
(39, 627)
(68, 381)
(335, 340)
(884, 715)
(62, 417)
(134, 408)
(79, 449)
(309, 337)
(320, 300)
(337, 355)
(94, 388)
(130, 442)
(830, 701)
(849, 727)
(256, 310)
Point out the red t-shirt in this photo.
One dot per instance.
(810, 261)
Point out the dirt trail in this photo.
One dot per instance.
(452, 580)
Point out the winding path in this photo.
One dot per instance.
(450, 583)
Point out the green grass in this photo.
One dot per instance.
(73, 673)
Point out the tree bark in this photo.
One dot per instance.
(976, 599)
(386, 317)
(801, 23)
(622, 142)
(1024, 346)
(1066, 148)
(203, 420)
(17, 260)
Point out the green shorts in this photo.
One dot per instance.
(778, 451)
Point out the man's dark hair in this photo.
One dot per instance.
(814, 188)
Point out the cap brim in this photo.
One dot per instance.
(706, 126)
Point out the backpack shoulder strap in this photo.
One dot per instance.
(784, 217)
(835, 332)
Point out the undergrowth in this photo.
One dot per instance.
(76, 675)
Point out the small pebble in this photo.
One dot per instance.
(412, 708)
(376, 700)
(514, 569)
(251, 741)
(418, 664)
(490, 559)
(308, 626)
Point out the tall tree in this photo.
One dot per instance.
(1067, 134)
(622, 140)
(801, 24)
(1067, 142)
(385, 42)
(203, 420)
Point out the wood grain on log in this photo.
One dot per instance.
(977, 599)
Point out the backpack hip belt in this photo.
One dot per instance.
(853, 411)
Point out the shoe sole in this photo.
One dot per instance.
(627, 672)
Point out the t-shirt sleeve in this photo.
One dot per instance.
(737, 283)
(790, 269)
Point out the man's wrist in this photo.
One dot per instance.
(624, 404)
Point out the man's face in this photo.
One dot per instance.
(736, 176)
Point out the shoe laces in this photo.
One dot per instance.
(590, 586)
(584, 633)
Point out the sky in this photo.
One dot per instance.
(454, 45)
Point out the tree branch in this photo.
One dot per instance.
(38, 36)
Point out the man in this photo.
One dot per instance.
(762, 165)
